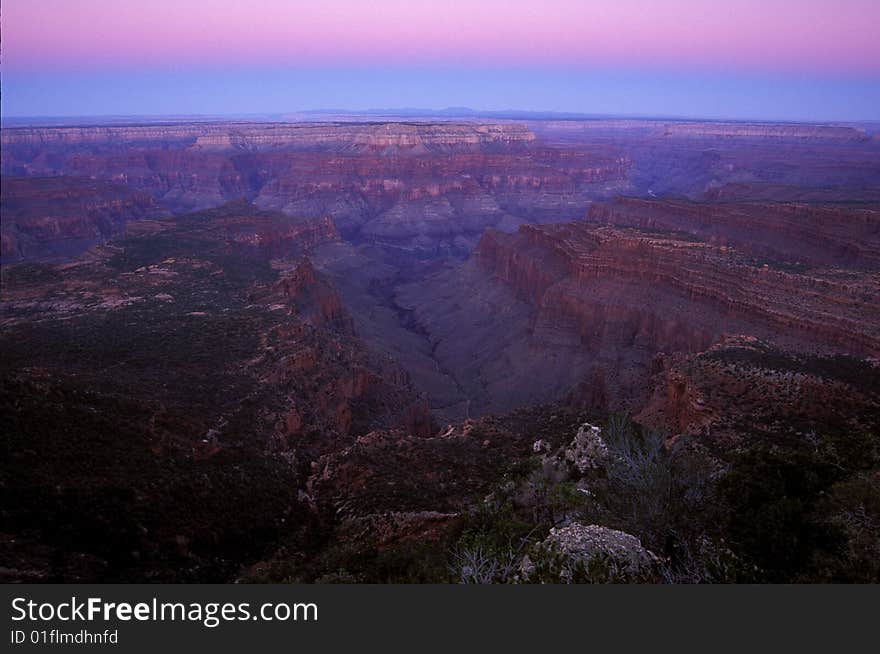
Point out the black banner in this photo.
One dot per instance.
(314, 618)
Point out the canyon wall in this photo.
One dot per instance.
(571, 308)
(59, 217)
(430, 188)
(392, 207)
(708, 129)
(427, 187)
(823, 308)
(421, 137)
(807, 234)
(754, 161)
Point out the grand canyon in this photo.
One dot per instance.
(368, 348)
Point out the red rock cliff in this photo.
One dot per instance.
(791, 232)
(680, 294)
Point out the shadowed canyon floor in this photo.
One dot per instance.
(377, 351)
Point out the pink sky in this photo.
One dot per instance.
(810, 36)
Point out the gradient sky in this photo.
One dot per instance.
(776, 59)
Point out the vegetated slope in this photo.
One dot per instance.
(163, 395)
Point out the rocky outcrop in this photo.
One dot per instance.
(429, 479)
(587, 451)
(589, 553)
(313, 297)
(742, 385)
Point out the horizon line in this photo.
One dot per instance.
(416, 112)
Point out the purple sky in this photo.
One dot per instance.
(799, 59)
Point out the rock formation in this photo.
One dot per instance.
(555, 304)
(418, 137)
(744, 384)
(429, 187)
(59, 217)
(579, 552)
(798, 234)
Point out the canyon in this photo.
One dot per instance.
(323, 351)
(422, 186)
(563, 302)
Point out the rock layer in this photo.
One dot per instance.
(420, 137)
(576, 307)
(806, 234)
(428, 187)
(56, 217)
